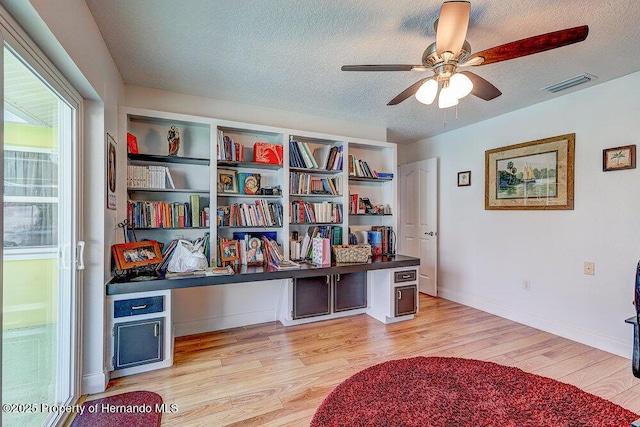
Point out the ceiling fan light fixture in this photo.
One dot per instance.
(427, 92)
(447, 96)
(461, 85)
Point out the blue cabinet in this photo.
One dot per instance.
(138, 343)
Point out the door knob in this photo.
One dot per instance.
(430, 233)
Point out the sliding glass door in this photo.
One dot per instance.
(40, 251)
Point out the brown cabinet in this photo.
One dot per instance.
(323, 295)
(311, 296)
(406, 300)
(350, 291)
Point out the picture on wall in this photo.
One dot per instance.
(111, 172)
(464, 179)
(619, 158)
(531, 175)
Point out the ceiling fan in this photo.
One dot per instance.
(451, 51)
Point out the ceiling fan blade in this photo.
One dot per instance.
(482, 88)
(452, 26)
(532, 45)
(411, 90)
(384, 67)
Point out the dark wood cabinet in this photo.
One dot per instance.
(311, 296)
(350, 291)
(406, 300)
(322, 295)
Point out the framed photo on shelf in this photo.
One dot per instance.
(619, 158)
(534, 175)
(136, 254)
(227, 181)
(229, 250)
(464, 179)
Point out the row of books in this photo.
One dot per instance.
(359, 205)
(149, 177)
(388, 239)
(321, 212)
(325, 157)
(360, 168)
(259, 214)
(304, 183)
(300, 247)
(228, 149)
(156, 214)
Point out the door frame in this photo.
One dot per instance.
(17, 39)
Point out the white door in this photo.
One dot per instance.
(41, 255)
(419, 220)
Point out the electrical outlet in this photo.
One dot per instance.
(589, 268)
(526, 285)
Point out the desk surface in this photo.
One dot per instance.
(254, 274)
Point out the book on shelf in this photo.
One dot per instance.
(219, 271)
(228, 149)
(195, 210)
(170, 179)
(147, 176)
(322, 212)
(132, 143)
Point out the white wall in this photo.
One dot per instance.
(153, 99)
(484, 255)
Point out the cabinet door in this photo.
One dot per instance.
(311, 296)
(406, 300)
(138, 343)
(350, 291)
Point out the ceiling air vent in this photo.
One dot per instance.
(573, 81)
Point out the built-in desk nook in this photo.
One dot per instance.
(140, 312)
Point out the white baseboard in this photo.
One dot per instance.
(94, 383)
(583, 336)
(223, 322)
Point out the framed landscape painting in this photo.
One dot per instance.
(531, 175)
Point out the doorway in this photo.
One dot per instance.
(40, 260)
(419, 220)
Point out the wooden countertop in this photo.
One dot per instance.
(254, 274)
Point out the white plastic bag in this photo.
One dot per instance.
(187, 257)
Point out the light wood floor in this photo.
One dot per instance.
(269, 375)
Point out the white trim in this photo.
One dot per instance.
(38, 252)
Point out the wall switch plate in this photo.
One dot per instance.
(589, 268)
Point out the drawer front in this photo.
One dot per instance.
(137, 306)
(404, 276)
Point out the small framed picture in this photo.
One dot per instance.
(227, 181)
(464, 179)
(229, 250)
(136, 254)
(619, 158)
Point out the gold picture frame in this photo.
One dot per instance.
(534, 175)
(136, 254)
(227, 181)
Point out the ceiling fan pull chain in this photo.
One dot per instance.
(444, 121)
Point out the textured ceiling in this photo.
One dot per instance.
(287, 54)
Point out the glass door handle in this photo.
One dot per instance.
(80, 257)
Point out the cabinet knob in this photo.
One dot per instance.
(399, 295)
(139, 307)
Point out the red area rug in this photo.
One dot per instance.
(133, 409)
(447, 392)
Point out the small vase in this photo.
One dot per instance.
(173, 136)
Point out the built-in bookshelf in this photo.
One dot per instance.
(168, 196)
(280, 183)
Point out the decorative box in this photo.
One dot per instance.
(264, 152)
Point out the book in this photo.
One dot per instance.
(195, 210)
(284, 265)
(219, 271)
(132, 143)
(169, 179)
